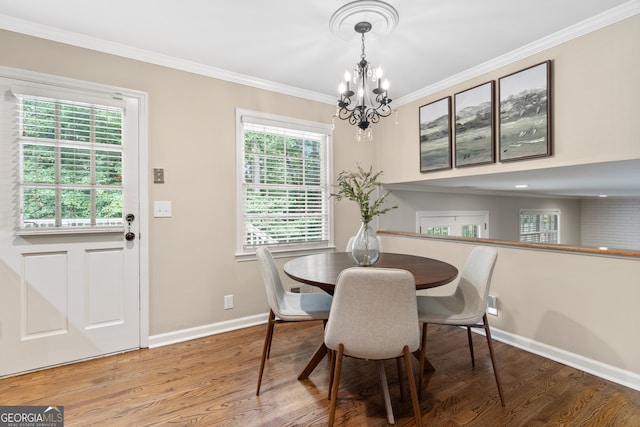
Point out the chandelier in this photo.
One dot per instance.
(363, 93)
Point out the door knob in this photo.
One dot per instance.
(129, 236)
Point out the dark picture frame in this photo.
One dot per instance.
(474, 126)
(435, 135)
(525, 113)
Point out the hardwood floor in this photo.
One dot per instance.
(211, 382)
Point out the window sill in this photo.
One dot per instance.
(66, 231)
(285, 253)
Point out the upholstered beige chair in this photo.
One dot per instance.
(286, 306)
(373, 316)
(465, 307)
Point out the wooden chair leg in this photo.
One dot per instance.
(267, 346)
(272, 321)
(493, 358)
(412, 387)
(473, 360)
(331, 356)
(399, 367)
(423, 351)
(336, 384)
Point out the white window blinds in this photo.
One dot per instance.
(70, 162)
(284, 185)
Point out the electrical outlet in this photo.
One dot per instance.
(492, 305)
(228, 302)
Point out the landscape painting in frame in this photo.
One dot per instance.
(474, 126)
(435, 135)
(525, 113)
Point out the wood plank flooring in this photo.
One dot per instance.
(211, 382)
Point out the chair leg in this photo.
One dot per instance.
(331, 356)
(423, 351)
(473, 360)
(493, 358)
(412, 387)
(336, 384)
(267, 346)
(272, 317)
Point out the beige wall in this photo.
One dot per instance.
(192, 136)
(595, 88)
(586, 305)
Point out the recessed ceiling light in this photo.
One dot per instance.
(602, 195)
(522, 186)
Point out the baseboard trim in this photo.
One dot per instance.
(175, 337)
(599, 369)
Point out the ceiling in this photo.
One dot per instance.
(611, 179)
(288, 45)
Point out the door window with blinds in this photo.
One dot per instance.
(70, 152)
(540, 226)
(283, 183)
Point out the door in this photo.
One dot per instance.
(69, 278)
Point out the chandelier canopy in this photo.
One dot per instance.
(363, 93)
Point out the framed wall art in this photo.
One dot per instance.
(525, 113)
(474, 129)
(435, 135)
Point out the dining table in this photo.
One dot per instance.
(322, 271)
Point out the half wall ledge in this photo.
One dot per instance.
(539, 246)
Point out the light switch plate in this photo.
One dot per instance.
(162, 209)
(158, 176)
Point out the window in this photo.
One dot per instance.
(70, 153)
(283, 183)
(539, 226)
(470, 224)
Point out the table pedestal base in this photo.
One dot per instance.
(316, 357)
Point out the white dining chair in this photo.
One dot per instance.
(465, 307)
(374, 316)
(286, 306)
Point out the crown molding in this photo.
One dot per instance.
(67, 37)
(616, 14)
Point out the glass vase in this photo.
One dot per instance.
(365, 250)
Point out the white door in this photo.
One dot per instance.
(69, 290)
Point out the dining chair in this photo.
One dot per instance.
(284, 305)
(465, 307)
(349, 246)
(374, 316)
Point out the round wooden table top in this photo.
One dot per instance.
(322, 270)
